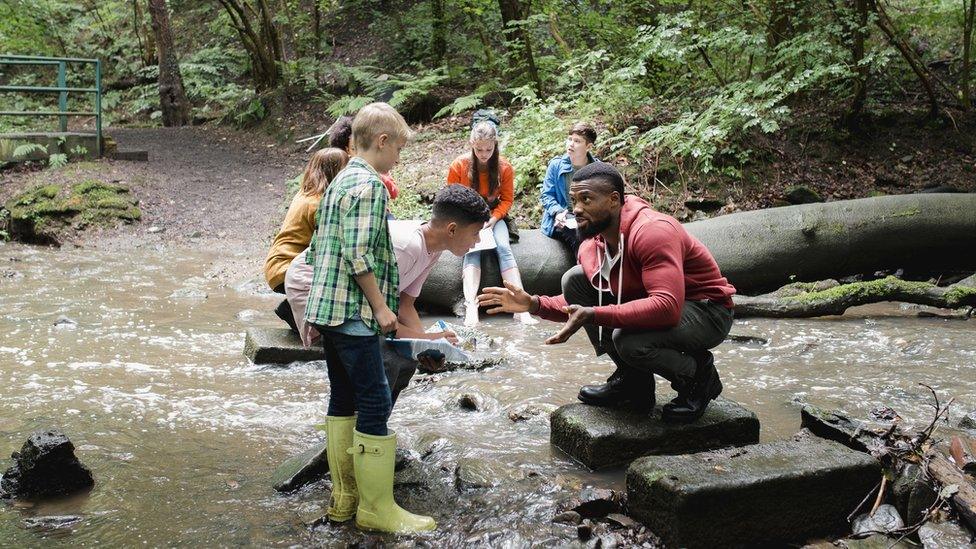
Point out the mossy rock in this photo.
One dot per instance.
(39, 213)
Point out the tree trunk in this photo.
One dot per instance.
(779, 23)
(514, 13)
(858, 35)
(261, 42)
(969, 13)
(925, 76)
(316, 28)
(172, 97)
(438, 38)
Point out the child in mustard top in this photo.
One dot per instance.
(484, 170)
(354, 297)
(299, 224)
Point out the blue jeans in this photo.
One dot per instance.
(506, 259)
(358, 380)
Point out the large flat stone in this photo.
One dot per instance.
(277, 346)
(776, 493)
(602, 437)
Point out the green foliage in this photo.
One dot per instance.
(28, 149)
(57, 161)
(369, 84)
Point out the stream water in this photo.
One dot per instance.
(145, 375)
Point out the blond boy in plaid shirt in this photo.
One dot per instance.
(354, 297)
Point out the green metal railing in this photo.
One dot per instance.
(61, 89)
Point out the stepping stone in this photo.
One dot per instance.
(777, 493)
(602, 437)
(277, 346)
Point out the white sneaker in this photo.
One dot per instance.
(471, 315)
(526, 318)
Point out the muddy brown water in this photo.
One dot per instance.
(182, 433)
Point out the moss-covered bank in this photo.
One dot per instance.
(39, 214)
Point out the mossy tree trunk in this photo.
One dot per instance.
(830, 298)
(260, 37)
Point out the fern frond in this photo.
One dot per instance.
(57, 161)
(28, 149)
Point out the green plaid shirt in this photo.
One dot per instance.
(352, 239)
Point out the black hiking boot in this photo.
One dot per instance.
(691, 402)
(283, 310)
(630, 391)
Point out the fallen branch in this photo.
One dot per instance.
(954, 482)
(803, 300)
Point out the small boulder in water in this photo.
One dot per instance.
(65, 323)
(45, 466)
(885, 520)
(567, 517)
(598, 502)
(529, 411)
(472, 401)
(969, 421)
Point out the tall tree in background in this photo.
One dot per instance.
(260, 38)
(513, 13)
(147, 46)
(969, 13)
(172, 97)
(438, 38)
(858, 33)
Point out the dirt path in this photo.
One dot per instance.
(205, 186)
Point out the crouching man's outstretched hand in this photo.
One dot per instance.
(510, 299)
(578, 317)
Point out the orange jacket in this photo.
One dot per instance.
(460, 172)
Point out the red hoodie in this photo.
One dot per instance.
(661, 267)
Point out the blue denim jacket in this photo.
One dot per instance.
(554, 197)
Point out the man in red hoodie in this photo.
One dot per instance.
(647, 293)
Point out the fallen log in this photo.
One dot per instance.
(802, 300)
(761, 250)
(964, 496)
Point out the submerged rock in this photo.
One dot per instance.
(52, 522)
(856, 435)
(766, 494)
(475, 473)
(602, 437)
(310, 466)
(529, 411)
(944, 535)
(45, 466)
(65, 323)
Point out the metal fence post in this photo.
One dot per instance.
(98, 105)
(63, 96)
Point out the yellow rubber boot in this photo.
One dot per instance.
(373, 460)
(345, 496)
